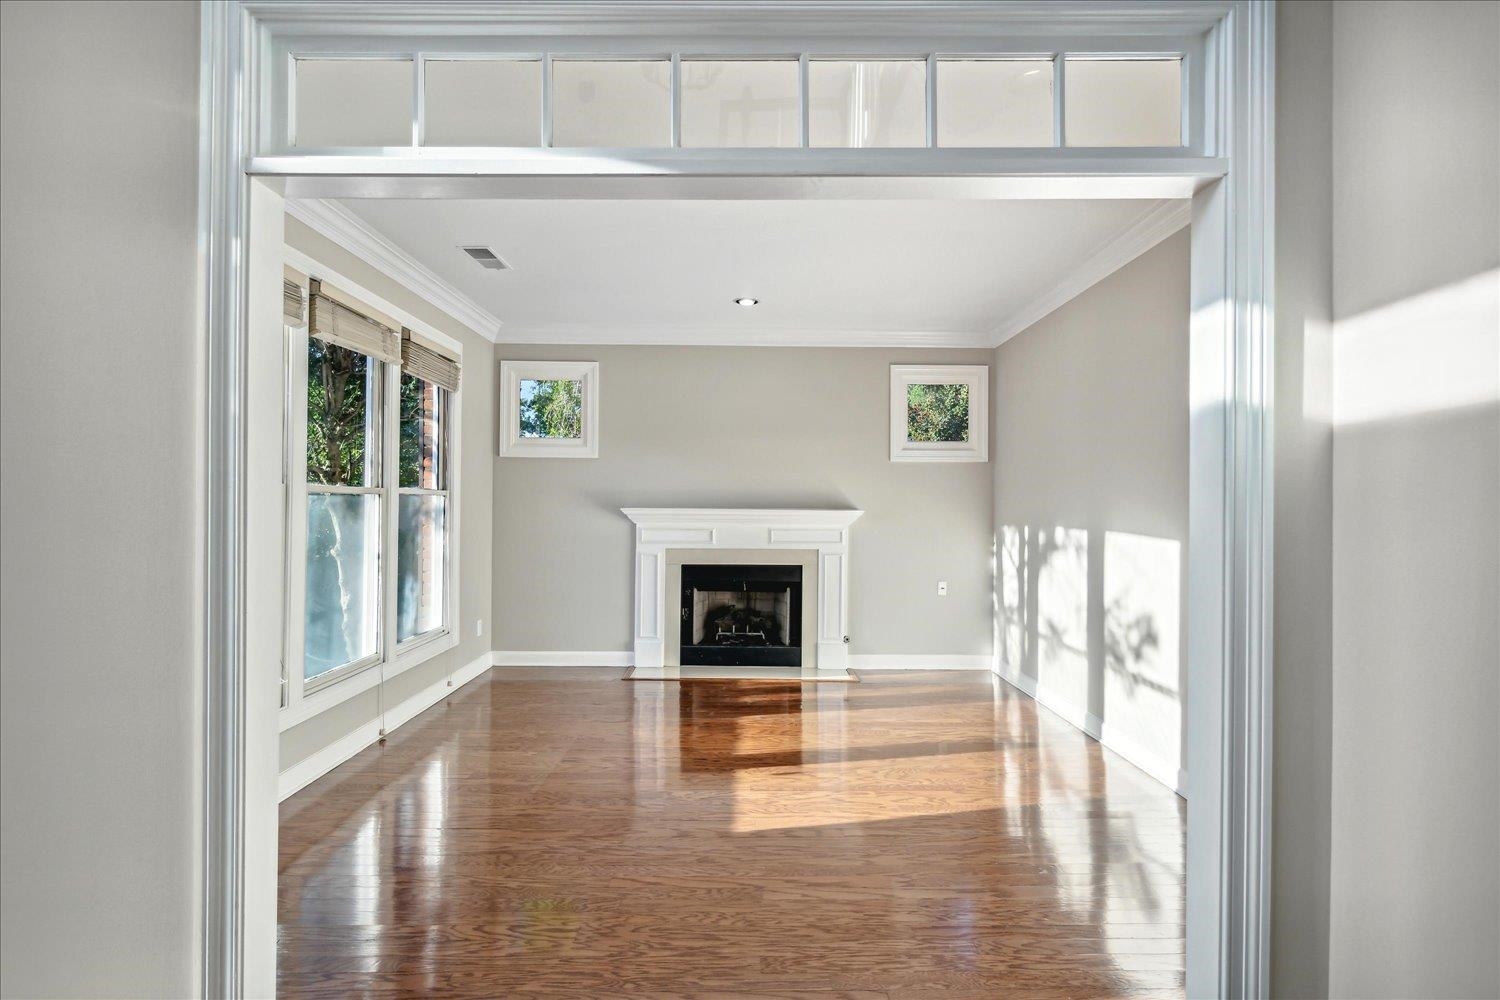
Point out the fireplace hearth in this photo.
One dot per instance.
(741, 615)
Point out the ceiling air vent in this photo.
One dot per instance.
(486, 258)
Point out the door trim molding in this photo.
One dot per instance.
(1230, 558)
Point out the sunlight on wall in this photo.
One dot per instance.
(1432, 352)
(1062, 612)
(1093, 626)
(1142, 601)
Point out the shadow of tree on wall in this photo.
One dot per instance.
(1091, 619)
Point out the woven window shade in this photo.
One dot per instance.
(426, 363)
(291, 303)
(335, 323)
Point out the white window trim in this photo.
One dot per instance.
(300, 704)
(512, 444)
(977, 448)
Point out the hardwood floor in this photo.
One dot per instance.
(560, 833)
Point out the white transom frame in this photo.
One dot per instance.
(660, 529)
(513, 373)
(976, 449)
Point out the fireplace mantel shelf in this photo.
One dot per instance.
(659, 529)
(781, 516)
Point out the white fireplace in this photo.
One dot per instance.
(667, 536)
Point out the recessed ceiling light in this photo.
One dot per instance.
(747, 301)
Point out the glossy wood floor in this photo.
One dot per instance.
(915, 835)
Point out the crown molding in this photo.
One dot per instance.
(1150, 228)
(700, 336)
(349, 231)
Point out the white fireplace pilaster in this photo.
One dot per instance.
(659, 529)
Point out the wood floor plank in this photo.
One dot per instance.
(562, 834)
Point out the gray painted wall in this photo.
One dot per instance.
(1091, 500)
(475, 504)
(100, 834)
(742, 427)
(1415, 882)
(1303, 617)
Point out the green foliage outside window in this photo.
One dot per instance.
(337, 401)
(551, 408)
(937, 413)
(418, 454)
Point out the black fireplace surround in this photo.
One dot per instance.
(741, 616)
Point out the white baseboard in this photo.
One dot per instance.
(920, 661)
(310, 769)
(857, 661)
(563, 658)
(1166, 772)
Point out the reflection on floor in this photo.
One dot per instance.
(558, 832)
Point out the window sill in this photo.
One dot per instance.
(416, 652)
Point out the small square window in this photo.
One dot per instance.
(549, 409)
(940, 413)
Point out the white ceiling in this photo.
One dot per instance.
(825, 272)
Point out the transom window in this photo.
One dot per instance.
(775, 100)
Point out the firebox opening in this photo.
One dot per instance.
(742, 615)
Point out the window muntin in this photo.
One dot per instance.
(353, 102)
(867, 103)
(1123, 102)
(741, 102)
(995, 102)
(482, 102)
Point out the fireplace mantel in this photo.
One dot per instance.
(659, 529)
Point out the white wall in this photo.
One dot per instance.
(474, 507)
(1415, 880)
(1091, 499)
(743, 427)
(100, 421)
(1303, 597)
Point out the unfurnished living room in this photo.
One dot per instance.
(750, 499)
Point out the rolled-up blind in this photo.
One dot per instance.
(335, 323)
(291, 303)
(293, 296)
(427, 363)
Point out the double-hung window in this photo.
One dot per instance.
(371, 454)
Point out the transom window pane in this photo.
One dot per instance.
(937, 412)
(353, 102)
(867, 103)
(482, 102)
(551, 408)
(342, 415)
(343, 588)
(744, 102)
(994, 102)
(421, 562)
(611, 103)
(422, 455)
(1123, 102)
